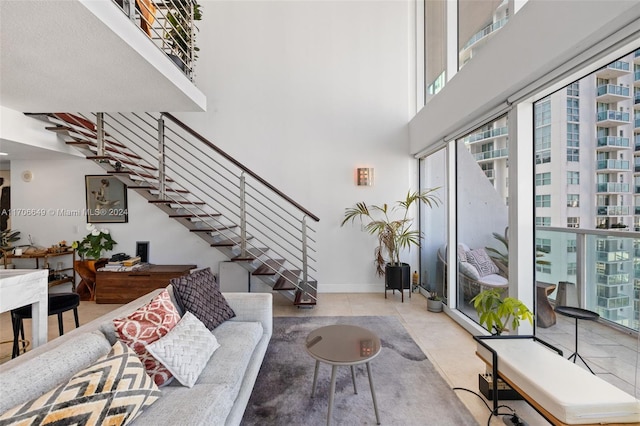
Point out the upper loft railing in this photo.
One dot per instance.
(170, 24)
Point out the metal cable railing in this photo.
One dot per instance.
(170, 25)
(189, 176)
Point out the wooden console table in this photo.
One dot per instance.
(123, 287)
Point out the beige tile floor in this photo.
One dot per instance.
(449, 347)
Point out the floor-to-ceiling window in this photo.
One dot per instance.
(433, 224)
(435, 34)
(586, 147)
(482, 179)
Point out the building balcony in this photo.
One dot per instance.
(613, 165)
(485, 32)
(636, 100)
(636, 79)
(610, 93)
(486, 135)
(613, 279)
(490, 174)
(491, 155)
(612, 188)
(614, 70)
(614, 302)
(612, 118)
(613, 256)
(613, 210)
(612, 143)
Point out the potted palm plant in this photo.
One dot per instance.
(392, 226)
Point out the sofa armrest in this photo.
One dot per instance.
(252, 307)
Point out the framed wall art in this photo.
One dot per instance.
(106, 199)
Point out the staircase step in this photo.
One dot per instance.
(311, 297)
(80, 142)
(153, 188)
(228, 242)
(190, 216)
(180, 202)
(121, 160)
(142, 175)
(286, 280)
(93, 137)
(75, 120)
(269, 267)
(251, 255)
(213, 229)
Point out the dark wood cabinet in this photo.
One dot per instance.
(123, 287)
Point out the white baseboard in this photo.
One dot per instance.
(351, 288)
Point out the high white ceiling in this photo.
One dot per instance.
(85, 55)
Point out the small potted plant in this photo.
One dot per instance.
(393, 233)
(498, 314)
(434, 302)
(92, 246)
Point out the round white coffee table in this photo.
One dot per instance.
(342, 344)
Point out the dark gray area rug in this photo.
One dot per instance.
(409, 390)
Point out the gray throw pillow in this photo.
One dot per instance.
(482, 262)
(199, 293)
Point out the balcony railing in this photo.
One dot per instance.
(612, 115)
(486, 31)
(612, 89)
(604, 275)
(612, 164)
(613, 141)
(487, 134)
(636, 76)
(170, 25)
(612, 187)
(619, 65)
(488, 155)
(614, 210)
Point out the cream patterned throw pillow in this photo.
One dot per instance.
(186, 349)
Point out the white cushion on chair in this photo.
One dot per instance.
(493, 280)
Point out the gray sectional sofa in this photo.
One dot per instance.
(219, 397)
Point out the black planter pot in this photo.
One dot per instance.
(397, 277)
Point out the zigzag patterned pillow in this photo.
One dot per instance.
(112, 391)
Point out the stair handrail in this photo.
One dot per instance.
(241, 166)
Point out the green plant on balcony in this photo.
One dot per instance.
(180, 35)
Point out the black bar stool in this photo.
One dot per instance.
(58, 303)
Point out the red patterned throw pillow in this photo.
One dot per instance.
(146, 325)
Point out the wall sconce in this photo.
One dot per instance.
(364, 176)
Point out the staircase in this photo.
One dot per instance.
(203, 188)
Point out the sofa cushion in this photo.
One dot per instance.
(112, 391)
(469, 270)
(19, 384)
(199, 293)
(146, 325)
(186, 349)
(228, 364)
(203, 404)
(482, 262)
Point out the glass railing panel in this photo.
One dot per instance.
(607, 277)
(612, 187)
(619, 65)
(488, 155)
(486, 31)
(613, 164)
(613, 115)
(636, 75)
(487, 134)
(613, 210)
(613, 141)
(612, 89)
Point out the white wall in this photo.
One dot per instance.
(301, 93)
(304, 92)
(59, 185)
